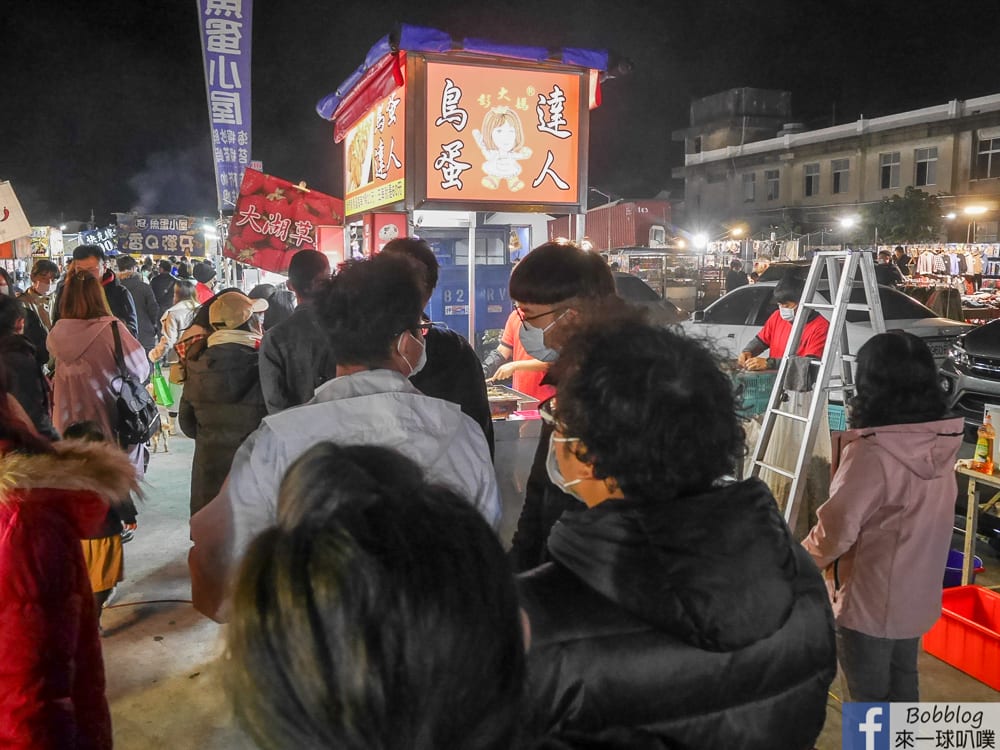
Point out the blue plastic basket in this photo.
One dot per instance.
(754, 390)
(953, 568)
(838, 417)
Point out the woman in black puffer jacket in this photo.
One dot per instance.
(678, 611)
(222, 401)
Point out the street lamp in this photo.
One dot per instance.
(607, 198)
(700, 240)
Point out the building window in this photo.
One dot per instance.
(841, 169)
(988, 161)
(812, 179)
(889, 170)
(749, 187)
(773, 184)
(926, 166)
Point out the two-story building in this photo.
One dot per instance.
(747, 162)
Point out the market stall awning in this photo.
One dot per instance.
(382, 69)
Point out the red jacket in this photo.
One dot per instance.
(51, 669)
(776, 332)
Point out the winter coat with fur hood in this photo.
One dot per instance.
(51, 671)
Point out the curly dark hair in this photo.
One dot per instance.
(652, 408)
(367, 305)
(885, 396)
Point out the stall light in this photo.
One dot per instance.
(951, 215)
(736, 231)
(681, 243)
(62, 227)
(848, 221)
(975, 210)
(700, 240)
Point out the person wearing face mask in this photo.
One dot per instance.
(371, 313)
(37, 301)
(773, 337)
(222, 401)
(676, 606)
(453, 371)
(553, 288)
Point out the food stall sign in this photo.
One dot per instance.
(502, 135)
(160, 234)
(375, 156)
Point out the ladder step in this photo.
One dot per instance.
(776, 470)
(789, 415)
(827, 306)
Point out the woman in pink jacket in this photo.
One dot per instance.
(882, 538)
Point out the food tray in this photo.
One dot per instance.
(505, 401)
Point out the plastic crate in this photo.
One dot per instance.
(967, 635)
(838, 417)
(754, 391)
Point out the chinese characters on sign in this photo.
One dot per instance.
(375, 156)
(502, 135)
(274, 218)
(160, 235)
(225, 35)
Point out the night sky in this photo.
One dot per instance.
(102, 104)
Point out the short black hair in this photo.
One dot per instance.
(280, 307)
(126, 263)
(11, 311)
(183, 270)
(184, 288)
(44, 266)
(367, 305)
(378, 612)
(652, 408)
(883, 397)
(420, 251)
(166, 266)
(736, 265)
(790, 288)
(884, 254)
(82, 252)
(559, 271)
(305, 269)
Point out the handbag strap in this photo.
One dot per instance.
(119, 357)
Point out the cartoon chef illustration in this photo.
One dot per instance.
(502, 143)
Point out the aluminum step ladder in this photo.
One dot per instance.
(841, 270)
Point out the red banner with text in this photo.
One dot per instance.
(275, 218)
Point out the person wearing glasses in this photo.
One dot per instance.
(552, 287)
(371, 311)
(676, 606)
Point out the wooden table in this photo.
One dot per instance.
(972, 509)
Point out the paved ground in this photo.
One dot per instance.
(162, 658)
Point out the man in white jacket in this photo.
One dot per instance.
(371, 310)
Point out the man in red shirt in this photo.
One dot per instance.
(510, 359)
(773, 337)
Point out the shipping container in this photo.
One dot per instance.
(643, 223)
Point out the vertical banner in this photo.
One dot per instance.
(225, 47)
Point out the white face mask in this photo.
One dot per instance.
(787, 313)
(421, 360)
(553, 470)
(533, 340)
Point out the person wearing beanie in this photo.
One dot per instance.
(222, 402)
(204, 274)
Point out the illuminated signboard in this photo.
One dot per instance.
(375, 156)
(502, 135)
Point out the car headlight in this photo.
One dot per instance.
(959, 357)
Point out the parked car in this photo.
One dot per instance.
(638, 293)
(731, 322)
(970, 376)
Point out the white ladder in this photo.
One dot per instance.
(841, 270)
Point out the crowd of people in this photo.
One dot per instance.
(344, 508)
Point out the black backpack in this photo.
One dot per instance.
(138, 418)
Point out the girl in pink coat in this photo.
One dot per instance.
(86, 382)
(882, 538)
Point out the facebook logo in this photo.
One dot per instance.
(866, 726)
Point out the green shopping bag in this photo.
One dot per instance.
(161, 388)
